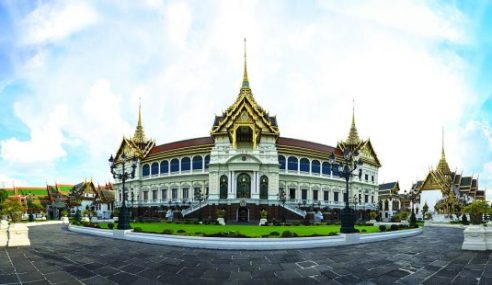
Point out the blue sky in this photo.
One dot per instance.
(72, 72)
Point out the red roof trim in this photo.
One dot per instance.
(203, 141)
(306, 144)
(182, 144)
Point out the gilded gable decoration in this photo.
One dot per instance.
(245, 113)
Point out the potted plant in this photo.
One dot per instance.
(17, 232)
(64, 218)
(476, 210)
(373, 215)
(263, 216)
(220, 216)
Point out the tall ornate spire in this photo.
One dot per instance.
(139, 136)
(353, 137)
(245, 74)
(443, 164)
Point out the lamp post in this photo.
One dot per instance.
(123, 175)
(413, 220)
(282, 198)
(348, 165)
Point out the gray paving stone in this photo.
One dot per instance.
(434, 257)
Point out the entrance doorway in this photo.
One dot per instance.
(243, 215)
(244, 186)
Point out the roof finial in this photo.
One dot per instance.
(353, 137)
(442, 142)
(139, 136)
(245, 74)
(443, 164)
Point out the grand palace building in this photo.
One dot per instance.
(243, 167)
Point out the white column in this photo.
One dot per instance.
(233, 184)
(257, 182)
(229, 184)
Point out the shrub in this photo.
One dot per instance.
(196, 222)
(228, 234)
(220, 213)
(274, 234)
(181, 231)
(373, 215)
(110, 226)
(167, 231)
(393, 227)
(382, 228)
(364, 230)
(263, 214)
(404, 215)
(286, 234)
(428, 216)
(137, 229)
(296, 224)
(64, 213)
(187, 222)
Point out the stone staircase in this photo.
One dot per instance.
(295, 210)
(195, 206)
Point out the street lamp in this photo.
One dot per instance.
(348, 165)
(282, 198)
(123, 217)
(413, 220)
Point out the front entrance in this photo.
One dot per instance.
(243, 215)
(244, 186)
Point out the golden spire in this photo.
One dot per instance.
(443, 164)
(139, 136)
(353, 137)
(245, 74)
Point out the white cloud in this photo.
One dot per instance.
(45, 144)
(178, 22)
(305, 66)
(57, 20)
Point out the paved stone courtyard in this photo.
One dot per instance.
(61, 257)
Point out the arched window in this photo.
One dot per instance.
(175, 165)
(304, 165)
(154, 169)
(292, 163)
(223, 187)
(164, 167)
(281, 162)
(185, 164)
(207, 161)
(197, 162)
(315, 166)
(145, 170)
(334, 169)
(264, 187)
(326, 168)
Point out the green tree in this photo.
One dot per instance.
(3, 196)
(476, 210)
(14, 209)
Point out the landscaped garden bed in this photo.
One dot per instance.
(245, 231)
